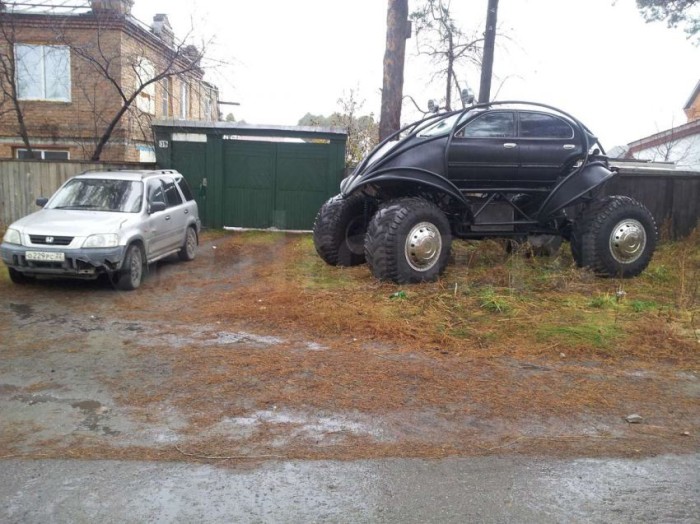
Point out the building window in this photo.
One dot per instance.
(167, 85)
(184, 100)
(208, 105)
(42, 72)
(42, 154)
(146, 100)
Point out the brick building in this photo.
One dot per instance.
(73, 73)
(680, 144)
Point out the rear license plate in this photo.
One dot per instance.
(45, 256)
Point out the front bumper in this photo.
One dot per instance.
(78, 263)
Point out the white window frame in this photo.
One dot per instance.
(208, 105)
(146, 99)
(184, 99)
(43, 72)
(43, 153)
(166, 86)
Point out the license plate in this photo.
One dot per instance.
(45, 256)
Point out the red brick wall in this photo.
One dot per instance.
(76, 125)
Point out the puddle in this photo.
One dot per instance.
(225, 338)
(301, 424)
(23, 311)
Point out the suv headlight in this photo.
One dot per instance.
(105, 240)
(12, 236)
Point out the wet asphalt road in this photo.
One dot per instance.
(490, 489)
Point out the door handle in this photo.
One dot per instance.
(569, 146)
(187, 211)
(510, 145)
(167, 217)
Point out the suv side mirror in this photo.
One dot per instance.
(155, 207)
(41, 201)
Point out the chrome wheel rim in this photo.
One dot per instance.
(628, 240)
(191, 243)
(136, 268)
(423, 246)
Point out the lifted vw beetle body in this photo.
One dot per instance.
(518, 170)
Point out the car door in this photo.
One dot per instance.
(158, 222)
(177, 214)
(547, 146)
(485, 151)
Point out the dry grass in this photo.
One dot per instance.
(487, 303)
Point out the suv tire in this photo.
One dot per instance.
(17, 277)
(131, 274)
(339, 230)
(615, 237)
(408, 241)
(189, 248)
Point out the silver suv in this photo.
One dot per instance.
(113, 223)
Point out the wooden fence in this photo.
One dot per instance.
(23, 181)
(672, 196)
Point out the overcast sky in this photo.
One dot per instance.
(596, 59)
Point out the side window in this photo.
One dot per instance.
(491, 125)
(172, 195)
(185, 188)
(540, 125)
(155, 192)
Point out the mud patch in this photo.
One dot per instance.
(22, 311)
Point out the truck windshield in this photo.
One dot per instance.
(120, 196)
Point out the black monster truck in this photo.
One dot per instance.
(516, 170)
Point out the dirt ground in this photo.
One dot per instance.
(219, 359)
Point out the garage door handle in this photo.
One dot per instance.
(509, 145)
(569, 146)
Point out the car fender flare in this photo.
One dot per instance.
(411, 175)
(574, 186)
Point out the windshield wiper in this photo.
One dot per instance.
(78, 206)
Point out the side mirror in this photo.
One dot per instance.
(41, 201)
(156, 207)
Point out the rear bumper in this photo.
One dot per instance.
(78, 263)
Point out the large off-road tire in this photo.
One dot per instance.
(18, 277)
(131, 273)
(408, 241)
(615, 237)
(339, 229)
(189, 247)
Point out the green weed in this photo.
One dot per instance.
(490, 301)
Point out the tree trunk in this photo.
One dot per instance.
(450, 73)
(392, 90)
(489, 44)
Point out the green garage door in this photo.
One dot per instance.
(253, 176)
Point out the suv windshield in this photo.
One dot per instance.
(122, 196)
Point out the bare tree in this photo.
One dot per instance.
(10, 97)
(448, 46)
(674, 148)
(114, 80)
(397, 31)
(362, 130)
(127, 75)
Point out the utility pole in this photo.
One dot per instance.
(398, 29)
(489, 44)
